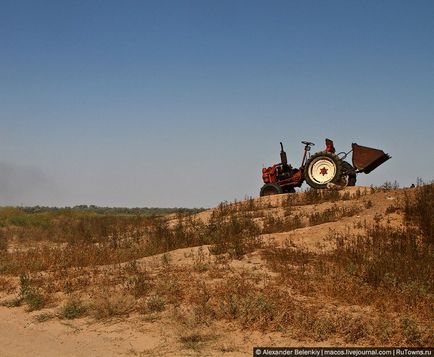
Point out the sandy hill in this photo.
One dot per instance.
(318, 268)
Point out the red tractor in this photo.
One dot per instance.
(321, 170)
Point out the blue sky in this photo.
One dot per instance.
(181, 103)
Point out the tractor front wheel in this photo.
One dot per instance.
(270, 189)
(323, 168)
(350, 173)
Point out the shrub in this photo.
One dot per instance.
(45, 316)
(112, 304)
(73, 308)
(313, 196)
(275, 224)
(411, 331)
(234, 235)
(30, 295)
(331, 214)
(138, 282)
(156, 303)
(194, 340)
(201, 260)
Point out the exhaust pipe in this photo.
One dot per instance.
(283, 158)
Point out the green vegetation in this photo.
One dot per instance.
(142, 211)
(73, 308)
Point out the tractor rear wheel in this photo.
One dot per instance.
(270, 189)
(323, 168)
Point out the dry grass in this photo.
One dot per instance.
(419, 211)
(372, 288)
(332, 214)
(388, 269)
(73, 308)
(110, 304)
(275, 224)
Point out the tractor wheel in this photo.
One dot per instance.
(270, 189)
(350, 172)
(323, 168)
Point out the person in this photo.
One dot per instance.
(329, 146)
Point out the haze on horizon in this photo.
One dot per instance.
(181, 103)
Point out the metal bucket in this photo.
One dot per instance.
(366, 159)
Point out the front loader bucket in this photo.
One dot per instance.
(366, 159)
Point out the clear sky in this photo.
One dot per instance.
(181, 103)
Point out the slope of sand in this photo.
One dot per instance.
(21, 335)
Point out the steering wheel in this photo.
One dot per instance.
(308, 143)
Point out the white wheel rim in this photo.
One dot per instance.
(322, 170)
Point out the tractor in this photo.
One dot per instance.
(324, 169)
